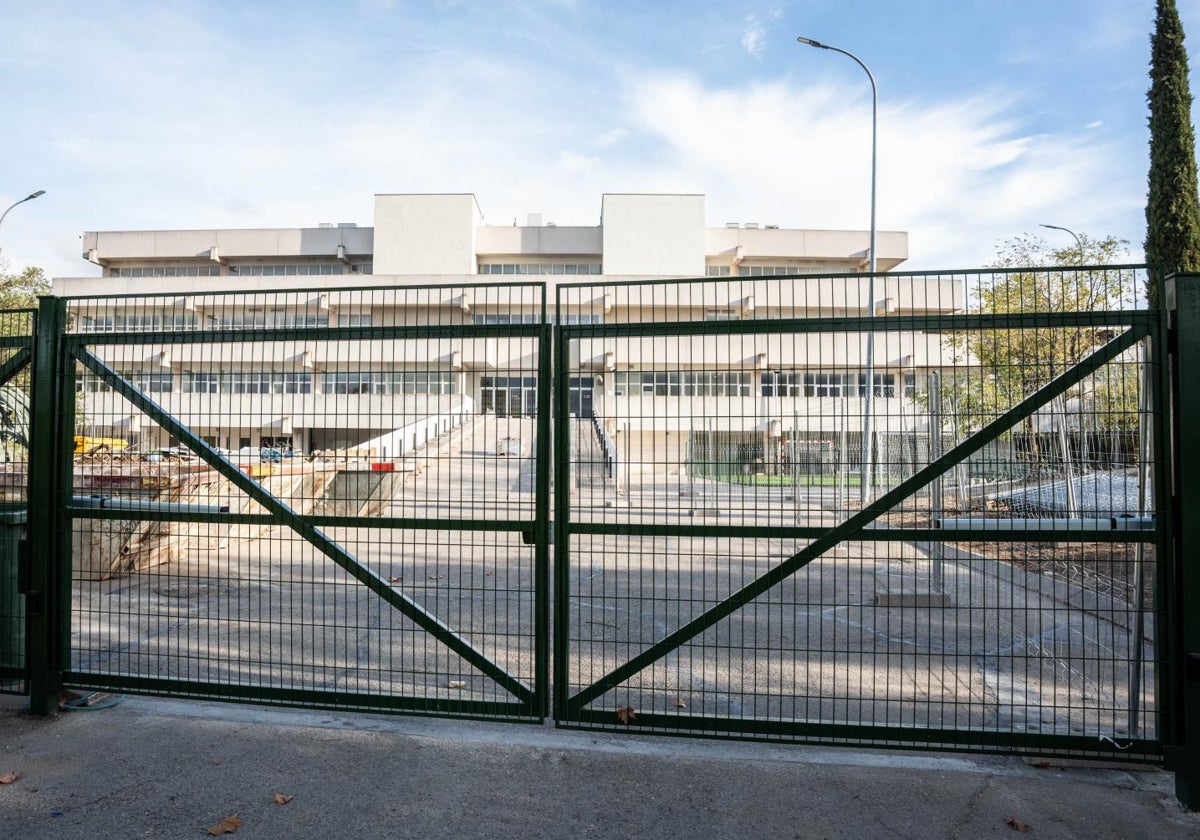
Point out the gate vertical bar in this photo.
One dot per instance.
(1183, 755)
(542, 526)
(562, 509)
(45, 610)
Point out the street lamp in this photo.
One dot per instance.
(1078, 241)
(1064, 442)
(868, 470)
(29, 197)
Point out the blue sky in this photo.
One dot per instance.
(995, 115)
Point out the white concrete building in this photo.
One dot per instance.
(433, 261)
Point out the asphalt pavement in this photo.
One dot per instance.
(171, 768)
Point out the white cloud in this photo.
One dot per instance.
(754, 36)
(612, 137)
(957, 175)
(235, 133)
(1094, 124)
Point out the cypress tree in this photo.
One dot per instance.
(1172, 206)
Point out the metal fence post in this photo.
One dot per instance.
(43, 607)
(1183, 744)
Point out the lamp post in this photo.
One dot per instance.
(1064, 441)
(868, 460)
(29, 197)
(1078, 241)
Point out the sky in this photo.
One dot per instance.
(994, 116)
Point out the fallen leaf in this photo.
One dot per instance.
(396, 579)
(456, 684)
(216, 761)
(1040, 764)
(679, 704)
(626, 714)
(1016, 824)
(283, 798)
(9, 778)
(226, 826)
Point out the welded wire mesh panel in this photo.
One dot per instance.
(937, 522)
(16, 342)
(321, 496)
(269, 617)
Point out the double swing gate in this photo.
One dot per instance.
(771, 519)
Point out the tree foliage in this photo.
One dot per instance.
(995, 369)
(20, 290)
(1172, 206)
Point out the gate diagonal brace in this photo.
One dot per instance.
(856, 523)
(286, 516)
(14, 365)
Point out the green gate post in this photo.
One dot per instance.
(47, 609)
(1183, 736)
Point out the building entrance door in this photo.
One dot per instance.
(509, 396)
(579, 396)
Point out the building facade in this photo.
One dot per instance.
(432, 262)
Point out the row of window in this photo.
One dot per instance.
(688, 383)
(570, 319)
(757, 270)
(798, 384)
(150, 322)
(310, 269)
(234, 321)
(683, 383)
(167, 271)
(253, 270)
(774, 384)
(539, 268)
(298, 270)
(281, 382)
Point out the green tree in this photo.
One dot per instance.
(995, 369)
(20, 290)
(1172, 206)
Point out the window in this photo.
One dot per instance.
(910, 385)
(724, 314)
(354, 319)
(201, 382)
(885, 384)
(782, 384)
(291, 382)
(571, 319)
(831, 385)
(159, 381)
(717, 271)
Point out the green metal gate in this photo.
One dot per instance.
(17, 329)
(293, 497)
(990, 573)
(783, 515)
